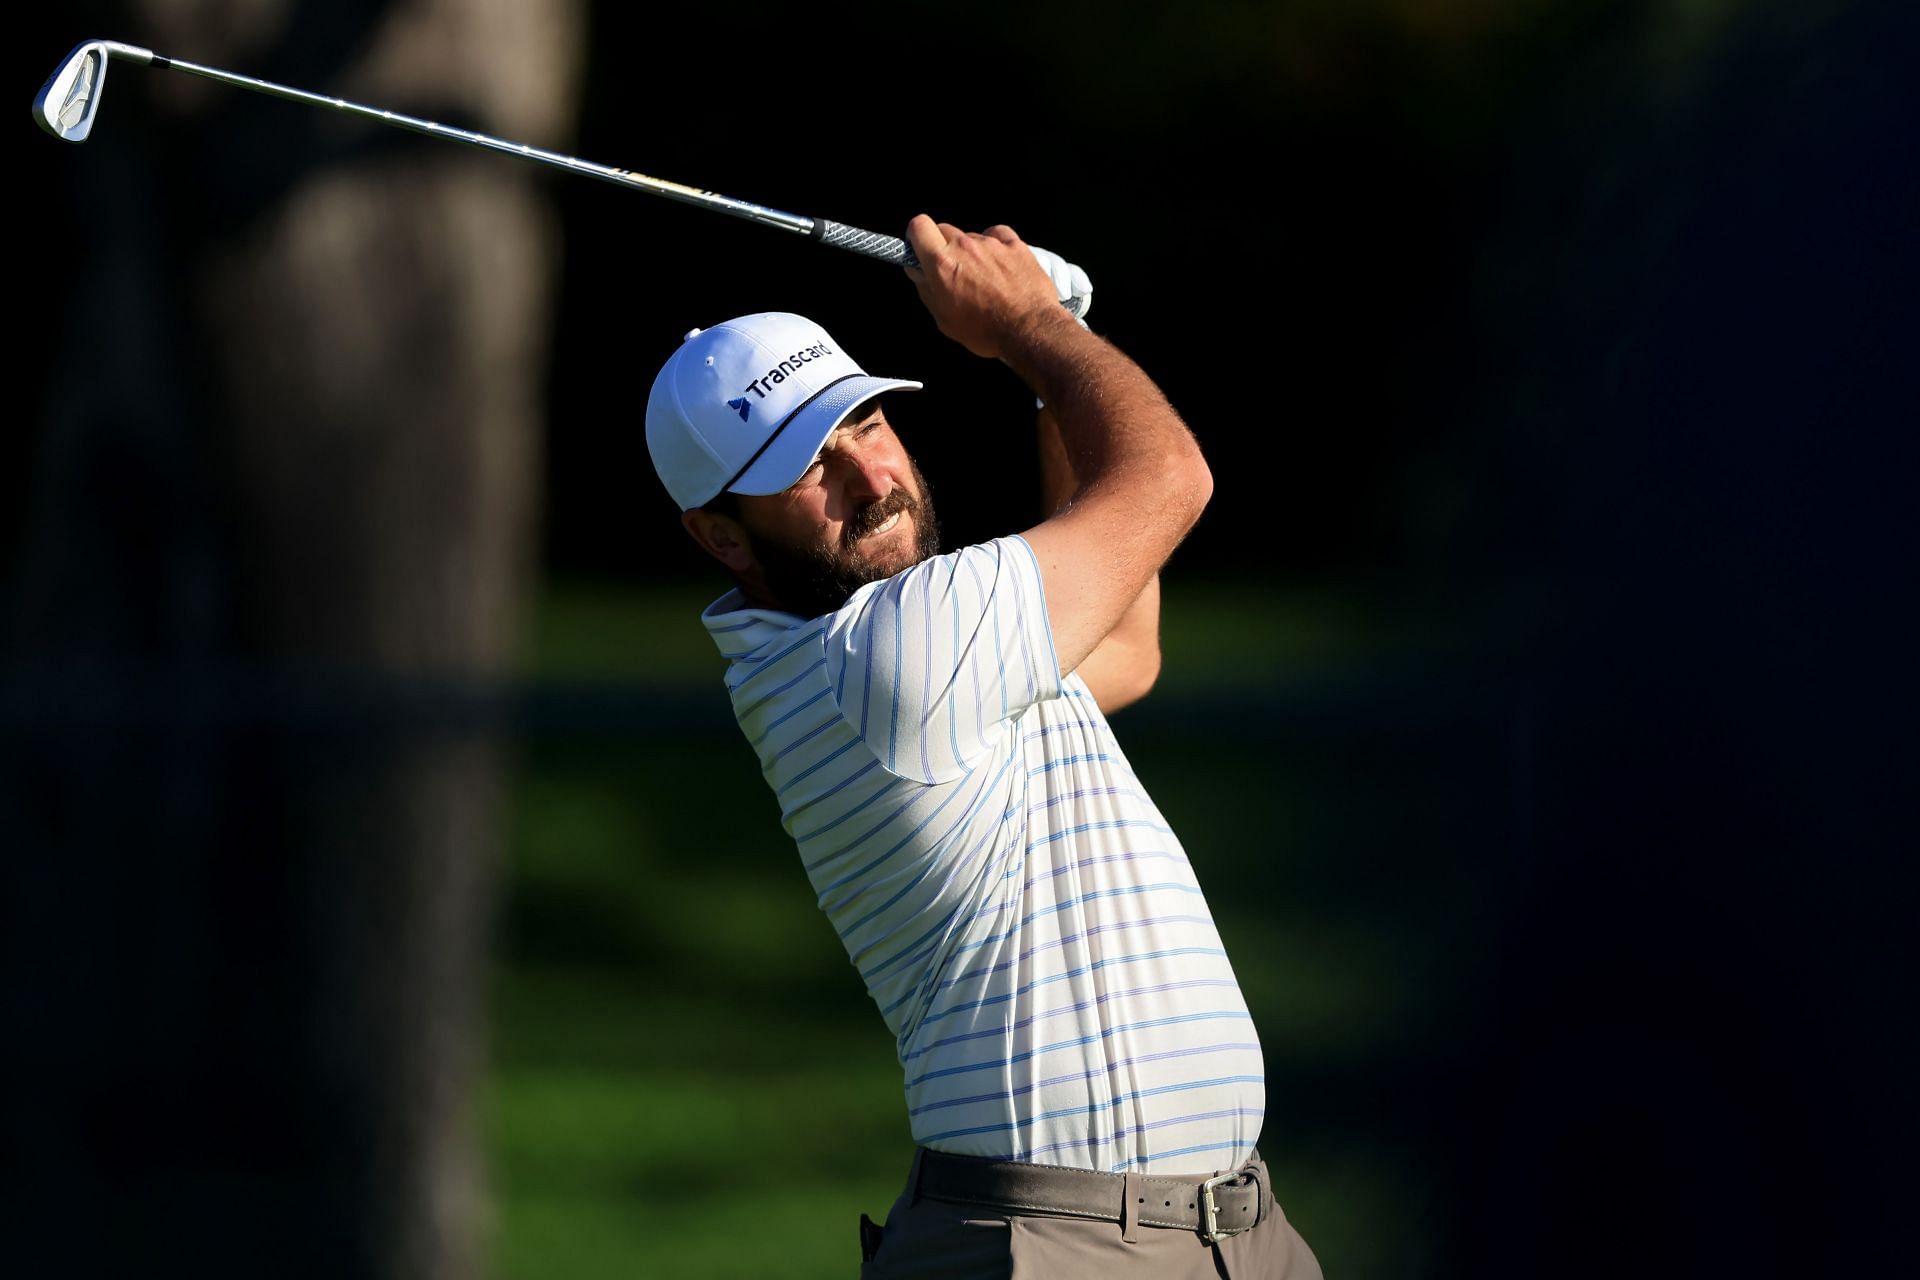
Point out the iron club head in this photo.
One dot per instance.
(70, 99)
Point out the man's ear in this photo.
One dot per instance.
(721, 537)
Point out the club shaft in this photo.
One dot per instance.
(871, 244)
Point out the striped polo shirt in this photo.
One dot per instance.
(1027, 923)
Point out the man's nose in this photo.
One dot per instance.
(868, 479)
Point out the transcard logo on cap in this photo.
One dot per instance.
(778, 374)
(740, 407)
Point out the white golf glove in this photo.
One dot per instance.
(1070, 283)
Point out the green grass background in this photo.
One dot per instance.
(686, 1078)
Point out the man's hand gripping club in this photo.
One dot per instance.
(980, 287)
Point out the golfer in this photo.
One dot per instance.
(1083, 1080)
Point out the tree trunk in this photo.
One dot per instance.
(282, 526)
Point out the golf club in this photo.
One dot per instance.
(70, 100)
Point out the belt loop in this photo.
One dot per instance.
(1130, 1208)
(913, 1175)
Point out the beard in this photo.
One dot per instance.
(816, 579)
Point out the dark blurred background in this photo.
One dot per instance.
(387, 891)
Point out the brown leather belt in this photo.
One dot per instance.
(1215, 1207)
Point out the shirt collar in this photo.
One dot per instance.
(738, 628)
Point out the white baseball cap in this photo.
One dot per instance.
(745, 406)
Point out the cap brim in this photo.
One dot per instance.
(802, 434)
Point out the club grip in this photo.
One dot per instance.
(871, 243)
(895, 250)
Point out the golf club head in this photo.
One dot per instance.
(69, 100)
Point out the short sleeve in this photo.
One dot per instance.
(931, 665)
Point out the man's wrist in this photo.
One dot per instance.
(1036, 344)
(1039, 402)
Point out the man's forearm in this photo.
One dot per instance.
(1113, 424)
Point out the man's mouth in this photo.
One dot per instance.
(878, 519)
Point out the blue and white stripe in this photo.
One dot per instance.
(1025, 920)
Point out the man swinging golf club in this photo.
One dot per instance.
(1083, 1080)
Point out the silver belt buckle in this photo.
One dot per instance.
(1210, 1233)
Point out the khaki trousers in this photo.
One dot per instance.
(925, 1239)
